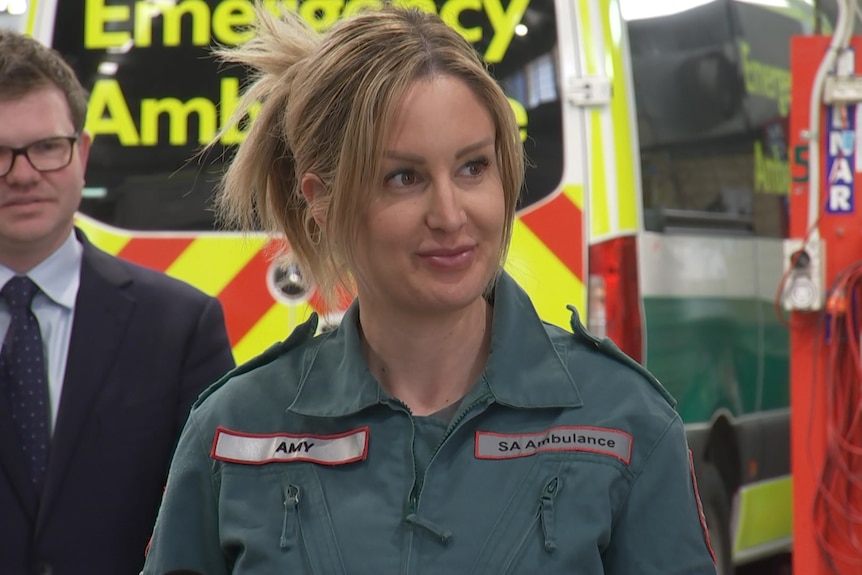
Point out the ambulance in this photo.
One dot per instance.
(655, 201)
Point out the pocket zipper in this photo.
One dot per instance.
(545, 517)
(547, 510)
(291, 503)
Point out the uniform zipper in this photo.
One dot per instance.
(291, 528)
(459, 417)
(412, 518)
(443, 534)
(418, 482)
(547, 502)
(291, 504)
(412, 497)
(545, 517)
(453, 425)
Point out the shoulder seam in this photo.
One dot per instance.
(302, 333)
(609, 348)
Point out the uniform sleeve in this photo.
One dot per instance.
(660, 530)
(186, 535)
(209, 357)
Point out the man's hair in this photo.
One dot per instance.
(26, 66)
(327, 104)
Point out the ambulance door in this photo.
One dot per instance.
(601, 142)
(548, 251)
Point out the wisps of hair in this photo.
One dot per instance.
(258, 189)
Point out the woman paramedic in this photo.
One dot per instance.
(442, 427)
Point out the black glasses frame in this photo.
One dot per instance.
(25, 151)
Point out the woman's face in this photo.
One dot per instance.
(430, 241)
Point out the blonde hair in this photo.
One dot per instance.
(327, 103)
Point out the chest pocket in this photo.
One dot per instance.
(558, 521)
(278, 517)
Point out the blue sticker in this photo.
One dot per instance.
(840, 156)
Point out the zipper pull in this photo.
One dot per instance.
(444, 535)
(290, 503)
(547, 506)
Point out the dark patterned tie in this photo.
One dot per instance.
(23, 376)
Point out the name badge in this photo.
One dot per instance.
(258, 449)
(604, 441)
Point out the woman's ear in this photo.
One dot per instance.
(313, 189)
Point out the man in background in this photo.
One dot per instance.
(101, 359)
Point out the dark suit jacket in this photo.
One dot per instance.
(143, 346)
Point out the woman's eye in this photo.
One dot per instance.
(402, 179)
(476, 167)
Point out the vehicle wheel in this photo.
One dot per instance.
(716, 509)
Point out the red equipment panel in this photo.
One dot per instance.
(826, 417)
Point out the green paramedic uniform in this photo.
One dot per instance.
(565, 458)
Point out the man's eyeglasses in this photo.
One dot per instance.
(45, 155)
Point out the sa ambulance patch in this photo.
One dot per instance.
(601, 440)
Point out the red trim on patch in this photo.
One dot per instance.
(700, 508)
(219, 430)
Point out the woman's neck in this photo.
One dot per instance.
(429, 363)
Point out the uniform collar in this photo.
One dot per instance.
(525, 369)
(335, 379)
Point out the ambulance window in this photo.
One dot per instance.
(157, 95)
(712, 88)
(535, 87)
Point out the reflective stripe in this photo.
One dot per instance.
(624, 121)
(212, 261)
(599, 177)
(258, 449)
(155, 254)
(274, 325)
(111, 240)
(230, 266)
(33, 8)
(40, 20)
(614, 180)
(603, 167)
(765, 514)
(543, 247)
(550, 284)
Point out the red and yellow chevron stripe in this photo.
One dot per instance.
(232, 267)
(547, 255)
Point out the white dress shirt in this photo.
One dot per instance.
(58, 278)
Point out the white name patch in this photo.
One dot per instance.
(258, 449)
(612, 442)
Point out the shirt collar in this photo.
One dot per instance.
(335, 380)
(524, 369)
(527, 368)
(59, 275)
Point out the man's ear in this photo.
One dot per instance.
(83, 143)
(313, 189)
